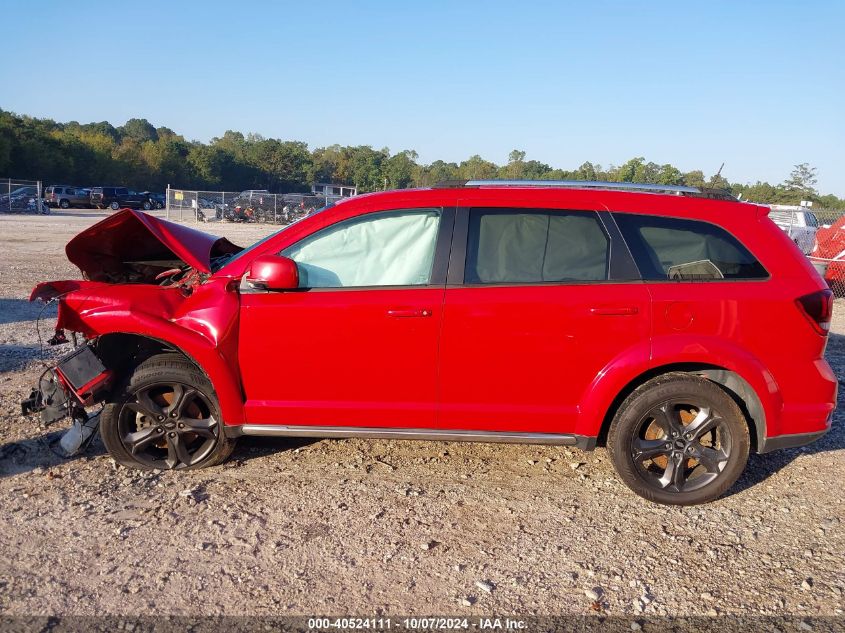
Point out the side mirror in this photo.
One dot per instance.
(273, 272)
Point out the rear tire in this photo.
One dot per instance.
(165, 416)
(147, 206)
(679, 439)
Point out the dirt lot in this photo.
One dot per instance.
(365, 527)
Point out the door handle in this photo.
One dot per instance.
(409, 312)
(615, 311)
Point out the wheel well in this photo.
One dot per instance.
(733, 384)
(123, 352)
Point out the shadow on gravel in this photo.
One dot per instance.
(761, 467)
(17, 357)
(42, 451)
(21, 310)
(254, 447)
(24, 456)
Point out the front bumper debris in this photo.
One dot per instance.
(78, 380)
(80, 434)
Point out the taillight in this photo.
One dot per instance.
(818, 308)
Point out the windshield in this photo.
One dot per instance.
(223, 261)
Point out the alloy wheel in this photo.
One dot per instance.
(680, 446)
(168, 425)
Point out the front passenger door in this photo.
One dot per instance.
(356, 345)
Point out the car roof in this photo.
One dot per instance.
(560, 197)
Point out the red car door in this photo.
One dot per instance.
(356, 345)
(532, 320)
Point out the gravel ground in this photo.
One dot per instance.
(366, 527)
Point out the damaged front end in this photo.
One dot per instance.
(74, 383)
(145, 281)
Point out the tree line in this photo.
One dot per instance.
(142, 156)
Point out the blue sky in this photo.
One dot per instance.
(758, 85)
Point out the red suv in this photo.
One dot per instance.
(638, 317)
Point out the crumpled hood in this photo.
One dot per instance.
(132, 246)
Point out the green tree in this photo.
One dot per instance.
(694, 178)
(438, 171)
(400, 168)
(476, 168)
(139, 130)
(801, 184)
(586, 171)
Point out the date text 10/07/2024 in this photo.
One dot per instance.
(417, 623)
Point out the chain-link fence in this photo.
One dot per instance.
(22, 196)
(826, 230)
(242, 206)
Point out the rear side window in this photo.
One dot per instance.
(686, 250)
(534, 246)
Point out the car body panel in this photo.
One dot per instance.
(362, 367)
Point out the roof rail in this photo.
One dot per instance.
(679, 190)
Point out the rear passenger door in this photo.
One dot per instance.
(703, 282)
(538, 303)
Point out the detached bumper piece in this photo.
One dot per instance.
(72, 385)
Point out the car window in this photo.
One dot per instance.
(812, 220)
(392, 248)
(686, 250)
(534, 246)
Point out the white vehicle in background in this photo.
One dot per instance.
(799, 223)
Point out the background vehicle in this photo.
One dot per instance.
(118, 198)
(482, 312)
(18, 194)
(65, 197)
(156, 200)
(799, 223)
(23, 200)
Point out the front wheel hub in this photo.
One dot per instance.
(187, 437)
